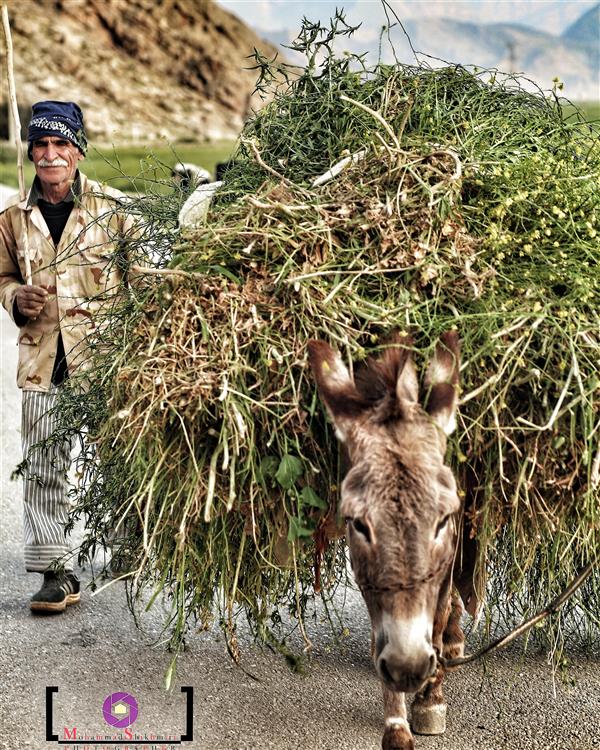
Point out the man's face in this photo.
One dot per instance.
(55, 159)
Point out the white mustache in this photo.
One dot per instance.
(58, 162)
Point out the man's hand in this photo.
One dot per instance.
(31, 300)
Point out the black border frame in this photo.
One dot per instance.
(188, 736)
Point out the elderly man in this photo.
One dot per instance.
(72, 229)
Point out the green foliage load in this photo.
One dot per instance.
(466, 202)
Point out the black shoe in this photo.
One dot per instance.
(56, 593)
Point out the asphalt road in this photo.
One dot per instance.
(95, 650)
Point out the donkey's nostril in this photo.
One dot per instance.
(398, 676)
(407, 675)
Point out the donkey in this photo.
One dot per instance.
(400, 506)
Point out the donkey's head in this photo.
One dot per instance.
(398, 499)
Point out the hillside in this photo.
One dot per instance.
(140, 69)
(586, 29)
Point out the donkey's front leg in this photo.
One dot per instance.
(397, 734)
(454, 638)
(428, 711)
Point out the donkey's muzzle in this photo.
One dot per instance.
(407, 675)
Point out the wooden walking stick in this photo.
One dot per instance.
(14, 109)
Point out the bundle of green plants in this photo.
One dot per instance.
(464, 201)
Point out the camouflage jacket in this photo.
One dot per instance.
(81, 276)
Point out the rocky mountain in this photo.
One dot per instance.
(586, 30)
(140, 69)
(573, 57)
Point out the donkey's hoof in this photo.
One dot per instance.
(397, 738)
(428, 719)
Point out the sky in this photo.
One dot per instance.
(552, 16)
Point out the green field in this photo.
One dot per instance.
(144, 169)
(129, 168)
(591, 110)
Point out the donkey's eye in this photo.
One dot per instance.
(442, 525)
(362, 529)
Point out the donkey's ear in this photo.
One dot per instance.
(407, 384)
(335, 386)
(441, 381)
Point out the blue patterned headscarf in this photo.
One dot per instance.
(58, 119)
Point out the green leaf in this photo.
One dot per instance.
(290, 468)
(170, 673)
(297, 530)
(310, 497)
(268, 466)
(225, 272)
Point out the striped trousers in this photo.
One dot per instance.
(45, 501)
